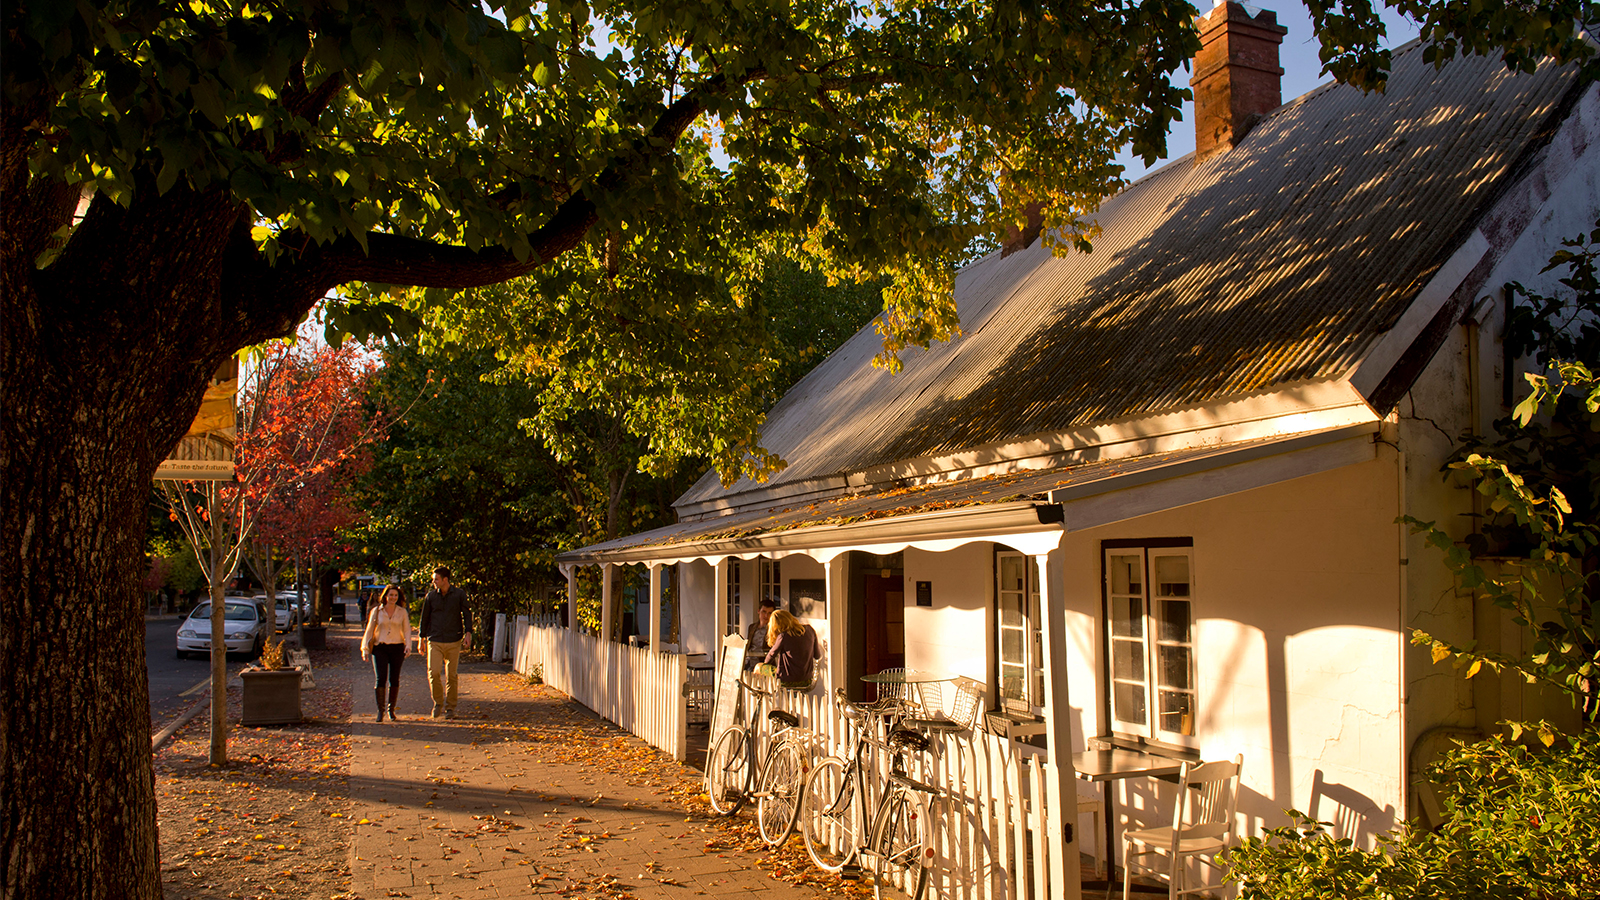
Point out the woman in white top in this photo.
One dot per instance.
(386, 642)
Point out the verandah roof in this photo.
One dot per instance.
(1027, 510)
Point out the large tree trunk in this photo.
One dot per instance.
(104, 359)
(78, 455)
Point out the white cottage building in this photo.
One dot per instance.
(1149, 498)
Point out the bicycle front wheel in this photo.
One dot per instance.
(778, 795)
(899, 845)
(827, 819)
(727, 771)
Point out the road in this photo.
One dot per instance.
(175, 684)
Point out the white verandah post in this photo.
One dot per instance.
(836, 571)
(719, 610)
(572, 596)
(654, 616)
(1065, 875)
(606, 602)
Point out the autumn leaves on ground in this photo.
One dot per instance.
(279, 820)
(273, 821)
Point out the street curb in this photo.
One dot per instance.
(166, 733)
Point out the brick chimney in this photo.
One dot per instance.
(1237, 79)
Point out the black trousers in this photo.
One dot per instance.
(386, 660)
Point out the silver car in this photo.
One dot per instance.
(287, 613)
(244, 624)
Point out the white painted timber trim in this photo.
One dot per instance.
(1511, 215)
(1397, 340)
(1015, 524)
(1208, 484)
(1027, 526)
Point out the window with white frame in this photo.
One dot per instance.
(1150, 641)
(771, 582)
(1018, 641)
(733, 597)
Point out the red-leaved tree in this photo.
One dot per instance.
(314, 431)
(304, 434)
(311, 438)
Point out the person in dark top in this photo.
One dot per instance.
(795, 650)
(447, 627)
(757, 645)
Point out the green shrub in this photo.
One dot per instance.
(1522, 822)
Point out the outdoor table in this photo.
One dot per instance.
(1113, 764)
(905, 678)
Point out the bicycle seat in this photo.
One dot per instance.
(941, 725)
(784, 716)
(912, 740)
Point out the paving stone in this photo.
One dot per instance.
(525, 815)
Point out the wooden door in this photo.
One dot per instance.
(884, 634)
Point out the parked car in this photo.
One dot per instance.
(295, 602)
(244, 625)
(287, 613)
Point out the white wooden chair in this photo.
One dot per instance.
(1202, 825)
(1091, 800)
(1090, 803)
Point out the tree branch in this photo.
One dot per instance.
(396, 259)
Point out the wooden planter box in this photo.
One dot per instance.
(271, 696)
(314, 637)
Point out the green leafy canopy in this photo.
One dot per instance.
(449, 145)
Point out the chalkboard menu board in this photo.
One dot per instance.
(728, 671)
(808, 598)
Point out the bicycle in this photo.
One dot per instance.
(830, 816)
(779, 780)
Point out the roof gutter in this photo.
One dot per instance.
(942, 526)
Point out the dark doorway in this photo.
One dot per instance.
(884, 625)
(874, 620)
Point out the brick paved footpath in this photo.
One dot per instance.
(527, 793)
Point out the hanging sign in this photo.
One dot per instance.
(206, 452)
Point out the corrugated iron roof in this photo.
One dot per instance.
(1278, 262)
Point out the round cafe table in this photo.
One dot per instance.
(899, 682)
(906, 676)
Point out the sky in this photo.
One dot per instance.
(1297, 55)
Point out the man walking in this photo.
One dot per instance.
(447, 627)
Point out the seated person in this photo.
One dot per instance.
(756, 636)
(795, 650)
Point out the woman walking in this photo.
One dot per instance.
(386, 642)
(794, 652)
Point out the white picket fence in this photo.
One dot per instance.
(988, 836)
(638, 690)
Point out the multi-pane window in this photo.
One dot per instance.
(1150, 637)
(771, 582)
(733, 597)
(1019, 644)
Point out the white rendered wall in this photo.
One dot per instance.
(952, 636)
(1298, 645)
